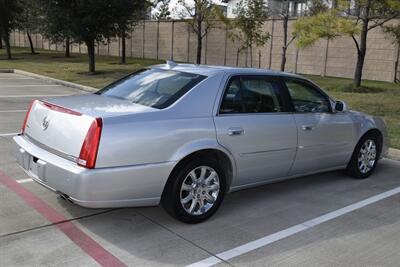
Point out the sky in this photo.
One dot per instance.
(174, 7)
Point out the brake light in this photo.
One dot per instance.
(60, 109)
(90, 146)
(26, 117)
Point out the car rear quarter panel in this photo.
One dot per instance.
(134, 140)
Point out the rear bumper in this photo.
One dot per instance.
(139, 185)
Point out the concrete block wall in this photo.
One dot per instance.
(164, 40)
(181, 48)
(174, 40)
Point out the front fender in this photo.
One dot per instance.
(364, 123)
(381, 126)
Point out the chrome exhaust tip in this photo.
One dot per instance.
(65, 197)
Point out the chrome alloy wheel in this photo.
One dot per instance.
(367, 156)
(199, 190)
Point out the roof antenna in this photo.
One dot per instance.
(171, 64)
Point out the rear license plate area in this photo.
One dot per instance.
(33, 165)
(37, 168)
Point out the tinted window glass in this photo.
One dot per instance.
(251, 95)
(153, 87)
(232, 101)
(306, 98)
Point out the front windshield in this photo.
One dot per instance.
(155, 88)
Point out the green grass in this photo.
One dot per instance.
(376, 98)
(74, 69)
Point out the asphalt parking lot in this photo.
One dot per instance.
(321, 220)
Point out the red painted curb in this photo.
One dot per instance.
(85, 242)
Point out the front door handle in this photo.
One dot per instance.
(307, 127)
(235, 131)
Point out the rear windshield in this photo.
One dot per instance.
(152, 87)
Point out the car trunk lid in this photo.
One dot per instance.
(61, 125)
(57, 129)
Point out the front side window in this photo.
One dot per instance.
(155, 88)
(251, 95)
(306, 98)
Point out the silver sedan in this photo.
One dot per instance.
(185, 135)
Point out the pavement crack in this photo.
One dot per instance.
(55, 224)
(184, 238)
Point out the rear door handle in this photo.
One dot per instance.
(307, 127)
(235, 131)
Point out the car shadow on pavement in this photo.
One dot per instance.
(149, 235)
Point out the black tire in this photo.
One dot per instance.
(171, 199)
(353, 168)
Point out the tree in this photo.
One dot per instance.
(89, 21)
(361, 17)
(29, 19)
(328, 25)
(129, 13)
(201, 18)
(318, 6)
(370, 14)
(315, 7)
(92, 22)
(250, 18)
(9, 12)
(163, 12)
(56, 24)
(394, 32)
(285, 17)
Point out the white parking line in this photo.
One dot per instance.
(8, 134)
(13, 111)
(22, 181)
(29, 85)
(269, 239)
(21, 96)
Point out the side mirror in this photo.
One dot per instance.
(340, 106)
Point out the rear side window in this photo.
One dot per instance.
(306, 98)
(251, 95)
(152, 87)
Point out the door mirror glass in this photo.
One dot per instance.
(340, 106)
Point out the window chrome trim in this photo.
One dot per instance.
(254, 113)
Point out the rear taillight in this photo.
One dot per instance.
(88, 155)
(26, 117)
